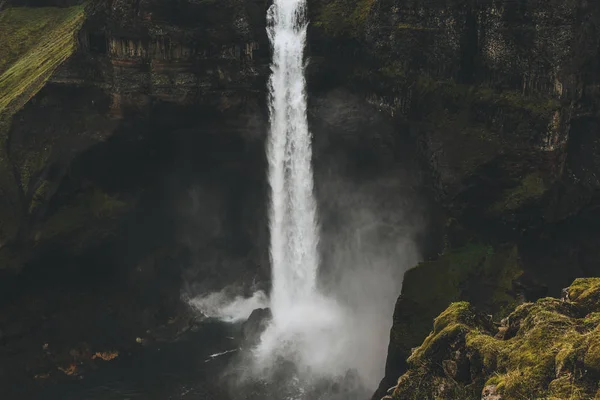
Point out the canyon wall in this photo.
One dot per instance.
(500, 96)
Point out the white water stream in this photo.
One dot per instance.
(302, 317)
(323, 336)
(293, 213)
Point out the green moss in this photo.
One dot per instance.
(430, 287)
(592, 353)
(529, 189)
(586, 293)
(343, 17)
(450, 326)
(35, 42)
(444, 275)
(566, 387)
(489, 349)
(553, 353)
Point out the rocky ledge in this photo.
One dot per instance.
(547, 349)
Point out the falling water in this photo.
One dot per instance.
(318, 333)
(293, 219)
(302, 317)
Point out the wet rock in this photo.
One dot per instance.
(490, 393)
(254, 326)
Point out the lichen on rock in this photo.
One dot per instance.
(547, 349)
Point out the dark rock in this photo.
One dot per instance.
(254, 326)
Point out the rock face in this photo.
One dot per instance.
(501, 97)
(547, 348)
(254, 326)
(162, 107)
(176, 64)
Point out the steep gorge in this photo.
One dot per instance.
(499, 97)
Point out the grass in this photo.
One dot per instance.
(35, 41)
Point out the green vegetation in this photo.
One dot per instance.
(35, 41)
(531, 188)
(431, 286)
(544, 350)
(343, 17)
(586, 294)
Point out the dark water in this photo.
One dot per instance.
(182, 369)
(193, 367)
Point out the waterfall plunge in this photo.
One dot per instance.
(303, 319)
(293, 224)
(319, 336)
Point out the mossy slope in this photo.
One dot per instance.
(549, 349)
(476, 272)
(35, 42)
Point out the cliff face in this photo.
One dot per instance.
(136, 167)
(501, 97)
(134, 62)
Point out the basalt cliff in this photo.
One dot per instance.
(119, 120)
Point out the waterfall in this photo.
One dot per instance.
(336, 331)
(293, 214)
(302, 317)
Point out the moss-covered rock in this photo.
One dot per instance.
(477, 272)
(586, 294)
(548, 349)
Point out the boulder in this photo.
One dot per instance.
(254, 326)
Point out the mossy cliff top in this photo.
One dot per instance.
(549, 349)
(35, 41)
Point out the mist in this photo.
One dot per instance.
(369, 231)
(372, 224)
(367, 245)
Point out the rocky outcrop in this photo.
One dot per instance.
(547, 348)
(254, 326)
(131, 60)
